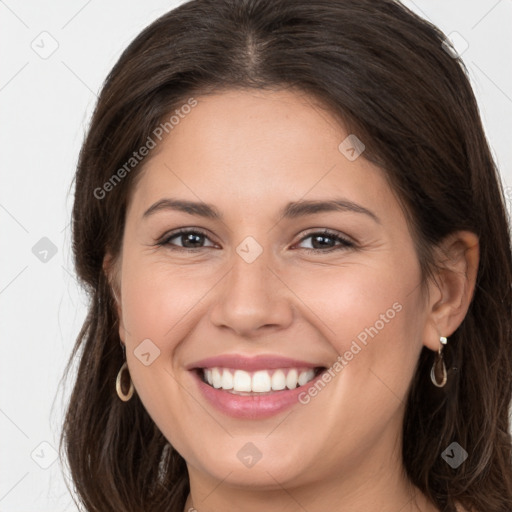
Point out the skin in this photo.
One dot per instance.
(249, 153)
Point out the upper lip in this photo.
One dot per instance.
(261, 362)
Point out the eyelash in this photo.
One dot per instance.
(345, 243)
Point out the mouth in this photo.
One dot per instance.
(255, 387)
(257, 383)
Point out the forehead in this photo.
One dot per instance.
(253, 148)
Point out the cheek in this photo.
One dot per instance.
(355, 301)
(372, 320)
(372, 316)
(158, 313)
(157, 300)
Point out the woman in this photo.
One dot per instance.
(295, 243)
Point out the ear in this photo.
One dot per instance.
(451, 293)
(111, 270)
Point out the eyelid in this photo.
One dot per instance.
(164, 239)
(345, 242)
(325, 231)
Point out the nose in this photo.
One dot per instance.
(252, 299)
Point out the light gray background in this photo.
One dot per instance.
(46, 102)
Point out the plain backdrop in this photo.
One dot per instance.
(55, 56)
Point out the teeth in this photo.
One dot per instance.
(216, 377)
(241, 381)
(291, 379)
(227, 380)
(305, 377)
(261, 381)
(278, 380)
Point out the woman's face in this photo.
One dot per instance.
(258, 298)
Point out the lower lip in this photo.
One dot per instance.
(252, 406)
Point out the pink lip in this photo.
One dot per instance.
(263, 362)
(250, 406)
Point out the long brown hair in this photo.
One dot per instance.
(388, 76)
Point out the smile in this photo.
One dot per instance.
(243, 382)
(251, 388)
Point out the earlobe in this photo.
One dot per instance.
(458, 259)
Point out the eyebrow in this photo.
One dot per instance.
(291, 211)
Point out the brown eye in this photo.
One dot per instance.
(190, 240)
(325, 241)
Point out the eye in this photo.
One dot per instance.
(325, 241)
(191, 239)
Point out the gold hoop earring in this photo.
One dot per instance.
(438, 373)
(123, 396)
